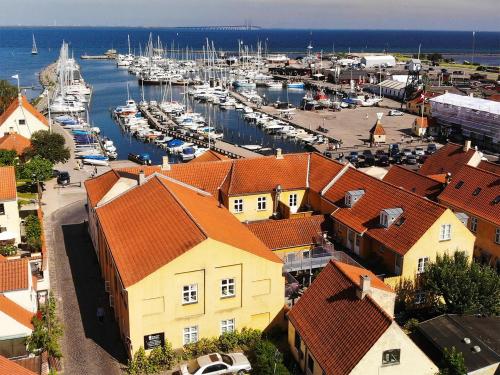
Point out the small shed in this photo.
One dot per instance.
(377, 132)
(420, 126)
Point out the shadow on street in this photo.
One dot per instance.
(90, 293)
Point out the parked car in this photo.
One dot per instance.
(63, 178)
(431, 148)
(379, 154)
(369, 158)
(395, 112)
(411, 160)
(55, 173)
(406, 152)
(393, 149)
(353, 157)
(383, 161)
(419, 151)
(216, 364)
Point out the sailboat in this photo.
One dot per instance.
(34, 50)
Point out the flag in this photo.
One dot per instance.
(16, 76)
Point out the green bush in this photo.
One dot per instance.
(268, 360)
(228, 341)
(160, 358)
(33, 230)
(8, 250)
(201, 347)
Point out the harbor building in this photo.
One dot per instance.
(474, 118)
(375, 61)
(22, 118)
(343, 324)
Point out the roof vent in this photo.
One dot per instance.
(463, 217)
(496, 200)
(389, 215)
(352, 196)
(476, 192)
(476, 348)
(467, 340)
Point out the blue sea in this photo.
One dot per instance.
(110, 83)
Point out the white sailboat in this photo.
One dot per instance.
(34, 49)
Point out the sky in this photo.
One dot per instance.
(481, 15)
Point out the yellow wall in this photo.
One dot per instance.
(155, 303)
(250, 212)
(301, 361)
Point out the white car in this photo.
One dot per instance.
(394, 112)
(419, 151)
(216, 364)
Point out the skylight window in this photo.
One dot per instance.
(496, 200)
(476, 192)
(459, 184)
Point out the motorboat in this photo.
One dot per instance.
(295, 85)
(274, 85)
(96, 162)
(143, 159)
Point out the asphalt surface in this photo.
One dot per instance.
(88, 346)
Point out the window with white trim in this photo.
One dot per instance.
(422, 262)
(227, 288)
(445, 232)
(473, 224)
(227, 325)
(261, 203)
(497, 236)
(189, 294)
(292, 200)
(238, 205)
(190, 335)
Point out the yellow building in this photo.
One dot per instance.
(177, 265)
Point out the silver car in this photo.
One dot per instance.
(216, 364)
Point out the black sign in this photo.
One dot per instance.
(154, 340)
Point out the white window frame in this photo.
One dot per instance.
(293, 200)
(187, 291)
(445, 232)
(421, 263)
(238, 205)
(189, 335)
(497, 236)
(473, 224)
(227, 325)
(228, 287)
(261, 203)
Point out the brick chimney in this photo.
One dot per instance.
(467, 145)
(142, 177)
(279, 154)
(364, 286)
(164, 164)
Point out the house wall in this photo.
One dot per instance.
(412, 359)
(155, 303)
(11, 328)
(302, 359)
(10, 220)
(32, 124)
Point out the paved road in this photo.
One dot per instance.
(89, 347)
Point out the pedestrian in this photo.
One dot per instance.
(100, 314)
(402, 138)
(95, 170)
(366, 116)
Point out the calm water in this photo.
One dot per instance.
(110, 83)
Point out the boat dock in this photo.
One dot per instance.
(222, 147)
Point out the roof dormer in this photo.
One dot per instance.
(352, 196)
(389, 215)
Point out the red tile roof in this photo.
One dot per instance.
(99, 186)
(377, 129)
(335, 325)
(354, 273)
(489, 166)
(16, 142)
(8, 189)
(27, 106)
(460, 193)
(414, 182)
(284, 234)
(322, 171)
(13, 275)
(156, 222)
(16, 312)
(448, 159)
(12, 368)
(419, 213)
(209, 155)
(422, 122)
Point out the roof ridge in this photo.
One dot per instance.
(479, 169)
(16, 317)
(414, 173)
(180, 183)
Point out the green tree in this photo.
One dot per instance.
(268, 360)
(8, 93)
(7, 157)
(50, 146)
(37, 169)
(465, 287)
(47, 330)
(453, 363)
(33, 231)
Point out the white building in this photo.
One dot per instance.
(10, 223)
(22, 118)
(477, 119)
(390, 88)
(375, 61)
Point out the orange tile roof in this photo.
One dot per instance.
(284, 234)
(354, 273)
(156, 222)
(321, 171)
(448, 159)
(209, 155)
(460, 193)
(26, 105)
(16, 142)
(8, 188)
(377, 129)
(99, 186)
(422, 122)
(14, 275)
(12, 368)
(418, 213)
(335, 325)
(16, 312)
(489, 166)
(414, 182)
(438, 177)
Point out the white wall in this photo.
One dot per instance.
(11, 219)
(32, 124)
(11, 328)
